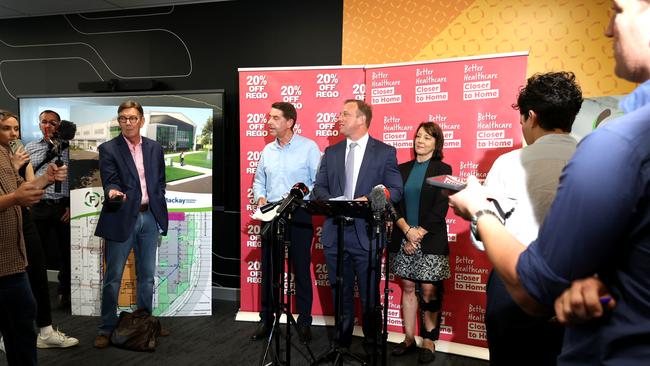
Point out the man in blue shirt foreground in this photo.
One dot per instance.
(599, 223)
(288, 160)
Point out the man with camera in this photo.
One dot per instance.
(52, 213)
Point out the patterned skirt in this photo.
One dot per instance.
(420, 267)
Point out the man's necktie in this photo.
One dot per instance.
(349, 172)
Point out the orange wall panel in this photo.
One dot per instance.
(559, 34)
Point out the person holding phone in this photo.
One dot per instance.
(16, 298)
(420, 240)
(36, 270)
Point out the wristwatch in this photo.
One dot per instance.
(473, 223)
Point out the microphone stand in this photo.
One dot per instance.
(282, 292)
(389, 215)
(380, 327)
(387, 290)
(340, 212)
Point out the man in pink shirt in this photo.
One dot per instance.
(134, 213)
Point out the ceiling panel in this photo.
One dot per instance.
(8, 13)
(24, 8)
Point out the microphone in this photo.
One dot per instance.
(297, 192)
(66, 131)
(378, 198)
(388, 206)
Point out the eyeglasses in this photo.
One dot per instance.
(51, 122)
(132, 119)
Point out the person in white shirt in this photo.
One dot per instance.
(529, 176)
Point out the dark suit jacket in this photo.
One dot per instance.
(433, 210)
(379, 166)
(118, 171)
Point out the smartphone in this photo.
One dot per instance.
(449, 182)
(15, 145)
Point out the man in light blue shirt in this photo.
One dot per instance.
(288, 160)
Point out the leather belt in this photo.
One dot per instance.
(144, 207)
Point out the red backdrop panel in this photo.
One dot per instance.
(469, 98)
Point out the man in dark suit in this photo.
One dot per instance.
(134, 214)
(350, 169)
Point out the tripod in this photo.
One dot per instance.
(281, 293)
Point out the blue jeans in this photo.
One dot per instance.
(144, 242)
(17, 315)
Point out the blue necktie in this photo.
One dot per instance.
(349, 172)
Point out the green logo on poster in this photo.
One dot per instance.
(92, 199)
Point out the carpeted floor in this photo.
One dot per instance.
(195, 341)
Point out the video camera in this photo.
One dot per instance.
(59, 141)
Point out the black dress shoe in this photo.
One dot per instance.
(261, 332)
(426, 355)
(402, 349)
(304, 333)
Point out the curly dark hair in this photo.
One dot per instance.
(555, 97)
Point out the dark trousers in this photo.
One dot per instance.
(36, 271)
(17, 311)
(356, 261)
(514, 337)
(47, 217)
(301, 234)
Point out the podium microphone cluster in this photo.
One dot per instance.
(297, 192)
(379, 198)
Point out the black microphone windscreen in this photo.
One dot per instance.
(377, 198)
(299, 190)
(66, 130)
